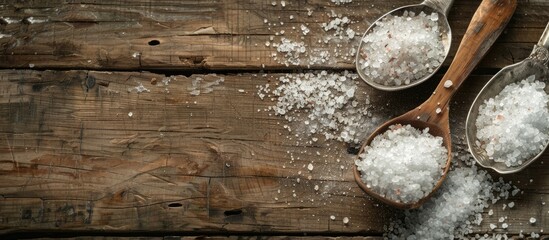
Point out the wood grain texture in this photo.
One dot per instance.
(225, 238)
(215, 34)
(72, 159)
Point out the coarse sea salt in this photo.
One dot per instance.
(402, 49)
(454, 209)
(403, 163)
(324, 103)
(514, 125)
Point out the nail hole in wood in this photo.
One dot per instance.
(233, 212)
(154, 42)
(175, 205)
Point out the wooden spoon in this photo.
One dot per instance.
(486, 25)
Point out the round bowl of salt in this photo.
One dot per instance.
(406, 46)
(507, 127)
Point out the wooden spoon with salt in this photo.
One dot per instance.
(486, 25)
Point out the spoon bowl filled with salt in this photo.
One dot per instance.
(406, 46)
(404, 161)
(508, 123)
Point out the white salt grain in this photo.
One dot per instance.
(511, 204)
(532, 220)
(310, 167)
(454, 209)
(338, 2)
(513, 126)
(345, 220)
(492, 226)
(332, 217)
(327, 103)
(403, 163)
(402, 49)
(292, 51)
(448, 83)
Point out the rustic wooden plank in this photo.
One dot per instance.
(71, 158)
(214, 34)
(228, 238)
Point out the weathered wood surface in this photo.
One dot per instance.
(215, 34)
(227, 237)
(72, 159)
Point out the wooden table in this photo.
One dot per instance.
(82, 153)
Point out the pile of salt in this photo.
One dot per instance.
(403, 163)
(402, 49)
(514, 125)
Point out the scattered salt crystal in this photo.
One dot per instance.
(338, 2)
(448, 83)
(492, 226)
(310, 167)
(400, 50)
(304, 29)
(200, 85)
(241, 90)
(438, 110)
(31, 65)
(332, 217)
(130, 114)
(504, 225)
(513, 127)
(316, 188)
(329, 102)
(515, 191)
(491, 212)
(403, 163)
(511, 204)
(532, 220)
(454, 209)
(345, 220)
(501, 219)
(292, 51)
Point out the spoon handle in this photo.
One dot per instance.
(442, 6)
(544, 40)
(486, 25)
(541, 50)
